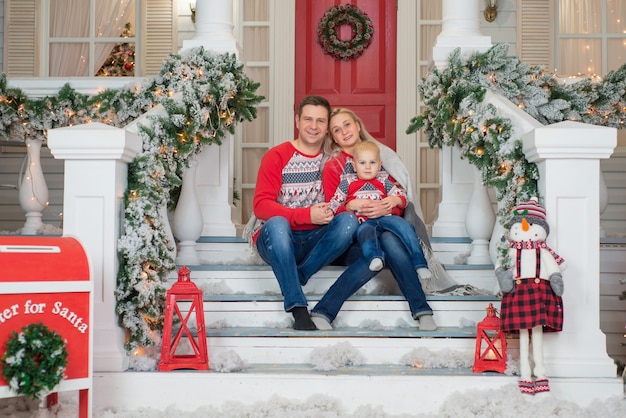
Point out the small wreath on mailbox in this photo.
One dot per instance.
(328, 32)
(35, 360)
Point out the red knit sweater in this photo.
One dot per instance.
(288, 184)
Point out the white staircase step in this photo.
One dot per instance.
(287, 346)
(377, 311)
(234, 250)
(260, 279)
(396, 390)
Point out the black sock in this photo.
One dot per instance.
(302, 319)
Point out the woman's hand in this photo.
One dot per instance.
(321, 214)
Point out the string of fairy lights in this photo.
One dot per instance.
(204, 96)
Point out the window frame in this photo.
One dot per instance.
(47, 40)
(603, 36)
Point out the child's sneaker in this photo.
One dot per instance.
(376, 264)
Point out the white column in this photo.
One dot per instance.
(96, 159)
(569, 167)
(214, 181)
(460, 29)
(214, 26)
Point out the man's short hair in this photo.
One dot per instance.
(314, 101)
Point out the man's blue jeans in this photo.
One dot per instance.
(369, 233)
(295, 256)
(357, 274)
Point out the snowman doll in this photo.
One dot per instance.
(531, 286)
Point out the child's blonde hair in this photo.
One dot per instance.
(366, 146)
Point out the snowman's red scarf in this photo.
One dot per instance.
(529, 245)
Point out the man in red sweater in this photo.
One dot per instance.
(296, 232)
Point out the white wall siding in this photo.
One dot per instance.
(613, 220)
(1, 35)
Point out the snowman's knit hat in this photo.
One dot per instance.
(533, 212)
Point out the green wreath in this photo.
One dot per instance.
(333, 19)
(35, 360)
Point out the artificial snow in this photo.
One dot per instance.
(423, 358)
(335, 356)
(227, 362)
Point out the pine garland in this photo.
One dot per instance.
(35, 360)
(204, 95)
(454, 114)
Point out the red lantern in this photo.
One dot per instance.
(490, 344)
(184, 290)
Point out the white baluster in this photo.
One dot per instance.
(188, 221)
(479, 222)
(33, 193)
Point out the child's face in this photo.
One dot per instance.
(367, 164)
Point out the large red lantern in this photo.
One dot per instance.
(490, 344)
(184, 290)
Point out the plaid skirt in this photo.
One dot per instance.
(529, 305)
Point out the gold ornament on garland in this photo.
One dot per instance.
(328, 32)
(35, 360)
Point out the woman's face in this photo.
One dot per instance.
(345, 131)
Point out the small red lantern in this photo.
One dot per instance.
(490, 344)
(184, 290)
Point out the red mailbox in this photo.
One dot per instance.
(48, 280)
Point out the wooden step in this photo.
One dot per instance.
(394, 389)
(376, 346)
(381, 311)
(260, 279)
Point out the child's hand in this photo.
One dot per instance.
(373, 209)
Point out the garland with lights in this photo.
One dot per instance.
(454, 114)
(328, 32)
(35, 360)
(204, 95)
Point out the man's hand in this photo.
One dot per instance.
(321, 214)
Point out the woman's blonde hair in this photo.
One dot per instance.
(331, 148)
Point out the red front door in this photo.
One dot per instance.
(366, 84)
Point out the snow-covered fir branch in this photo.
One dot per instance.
(455, 114)
(204, 95)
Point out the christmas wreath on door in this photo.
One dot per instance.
(328, 32)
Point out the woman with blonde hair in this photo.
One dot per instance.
(346, 131)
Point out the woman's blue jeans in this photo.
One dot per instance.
(295, 256)
(358, 273)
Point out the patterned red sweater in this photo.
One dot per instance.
(288, 184)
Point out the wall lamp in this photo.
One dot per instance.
(491, 10)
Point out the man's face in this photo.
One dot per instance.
(312, 124)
